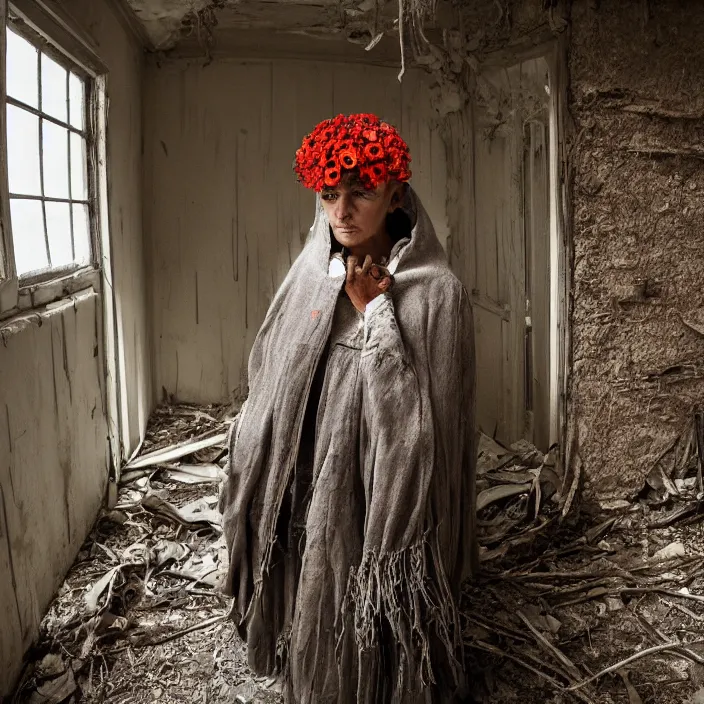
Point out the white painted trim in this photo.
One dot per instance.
(554, 249)
(560, 250)
(50, 21)
(110, 338)
(8, 275)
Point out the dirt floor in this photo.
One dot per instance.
(566, 592)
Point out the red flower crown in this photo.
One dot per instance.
(348, 142)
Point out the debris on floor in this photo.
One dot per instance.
(604, 604)
(574, 603)
(138, 618)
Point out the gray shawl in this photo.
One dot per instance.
(369, 612)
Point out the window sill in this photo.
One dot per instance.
(35, 295)
(24, 319)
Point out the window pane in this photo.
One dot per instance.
(55, 160)
(28, 235)
(54, 97)
(79, 180)
(77, 95)
(22, 74)
(23, 152)
(81, 233)
(58, 228)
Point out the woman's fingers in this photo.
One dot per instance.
(357, 275)
(385, 283)
(351, 268)
(379, 272)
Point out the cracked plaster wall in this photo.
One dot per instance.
(638, 205)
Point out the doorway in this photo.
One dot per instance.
(515, 282)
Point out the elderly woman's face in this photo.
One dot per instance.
(356, 214)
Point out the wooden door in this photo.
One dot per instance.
(510, 282)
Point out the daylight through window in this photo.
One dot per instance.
(47, 160)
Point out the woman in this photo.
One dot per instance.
(349, 503)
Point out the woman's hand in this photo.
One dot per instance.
(364, 283)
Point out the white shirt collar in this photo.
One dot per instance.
(337, 268)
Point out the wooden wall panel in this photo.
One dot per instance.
(509, 194)
(224, 216)
(537, 208)
(499, 284)
(53, 461)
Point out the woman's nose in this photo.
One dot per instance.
(343, 210)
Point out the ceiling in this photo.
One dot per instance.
(162, 19)
(167, 22)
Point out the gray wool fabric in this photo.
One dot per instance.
(348, 544)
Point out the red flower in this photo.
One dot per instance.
(395, 161)
(348, 158)
(379, 171)
(373, 151)
(392, 140)
(332, 177)
(359, 141)
(372, 175)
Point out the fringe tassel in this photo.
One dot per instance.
(399, 588)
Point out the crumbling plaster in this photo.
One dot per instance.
(638, 204)
(162, 18)
(168, 21)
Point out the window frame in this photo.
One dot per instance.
(46, 30)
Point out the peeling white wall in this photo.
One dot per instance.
(53, 432)
(53, 462)
(224, 215)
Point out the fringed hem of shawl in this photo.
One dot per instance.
(283, 646)
(399, 589)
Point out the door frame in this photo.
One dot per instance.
(555, 53)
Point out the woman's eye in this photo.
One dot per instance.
(329, 196)
(360, 194)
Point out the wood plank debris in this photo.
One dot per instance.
(170, 454)
(557, 613)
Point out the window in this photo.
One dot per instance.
(47, 154)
